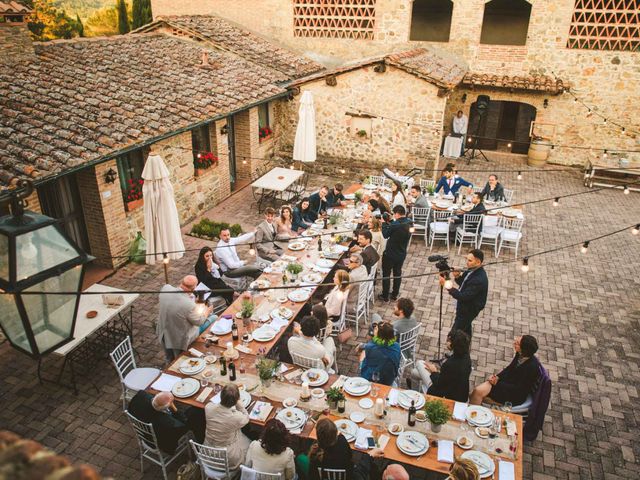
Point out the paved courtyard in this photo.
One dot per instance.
(584, 310)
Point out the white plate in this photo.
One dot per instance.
(317, 393)
(260, 283)
(398, 431)
(282, 299)
(244, 396)
(321, 377)
(468, 445)
(347, 428)
(486, 466)
(296, 246)
(357, 386)
(369, 186)
(325, 263)
(357, 417)
(265, 333)
(185, 388)
(292, 417)
(405, 397)
(289, 402)
(300, 295)
(412, 443)
(442, 204)
(191, 366)
(282, 312)
(478, 415)
(366, 403)
(479, 434)
(312, 278)
(210, 359)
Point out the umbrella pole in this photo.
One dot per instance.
(166, 273)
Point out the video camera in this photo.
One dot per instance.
(441, 262)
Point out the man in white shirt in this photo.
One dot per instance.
(227, 255)
(460, 125)
(309, 346)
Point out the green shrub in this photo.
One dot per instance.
(210, 229)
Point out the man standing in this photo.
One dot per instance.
(369, 254)
(419, 200)
(450, 183)
(493, 190)
(180, 317)
(266, 236)
(397, 234)
(335, 196)
(318, 203)
(227, 255)
(460, 125)
(472, 293)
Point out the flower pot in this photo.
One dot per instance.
(292, 276)
(265, 138)
(266, 382)
(333, 404)
(435, 428)
(131, 206)
(198, 172)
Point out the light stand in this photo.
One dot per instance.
(439, 358)
(475, 140)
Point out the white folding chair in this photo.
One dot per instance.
(213, 462)
(251, 474)
(361, 307)
(379, 180)
(510, 234)
(408, 341)
(307, 362)
(371, 287)
(439, 228)
(148, 443)
(133, 379)
(478, 189)
(508, 195)
(332, 474)
(420, 217)
(489, 231)
(427, 183)
(468, 231)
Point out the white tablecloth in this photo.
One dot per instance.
(452, 146)
(278, 179)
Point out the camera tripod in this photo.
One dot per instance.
(439, 358)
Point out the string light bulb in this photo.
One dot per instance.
(165, 259)
(509, 145)
(556, 201)
(589, 113)
(626, 190)
(199, 155)
(525, 264)
(252, 251)
(343, 171)
(635, 230)
(291, 167)
(624, 129)
(519, 177)
(469, 140)
(575, 99)
(244, 162)
(604, 121)
(585, 247)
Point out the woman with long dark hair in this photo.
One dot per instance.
(331, 450)
(209, 273)
(271, 454)
(301, 216)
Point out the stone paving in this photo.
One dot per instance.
(584, 310)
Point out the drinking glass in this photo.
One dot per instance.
(204, 382)
(375, 378)
(507, 407)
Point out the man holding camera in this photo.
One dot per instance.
(472, 293)
(397, 233)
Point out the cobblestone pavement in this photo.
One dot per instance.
(584, 310)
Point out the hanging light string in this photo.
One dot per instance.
(635, 230)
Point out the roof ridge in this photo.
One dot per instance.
(102, 38)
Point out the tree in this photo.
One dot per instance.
(141, 13)
(123, 17)
(48, 23)
(79, 26)
(103, 22)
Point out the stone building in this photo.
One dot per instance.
(522, 54)
(79, 118)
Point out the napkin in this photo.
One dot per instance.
(460, 410)
(277, 323)
(165, 383)
(289, 258)
(511, 427)
(260, 411)
(445, 451)
(222, 325)
(393, 397)
(382, 441)
(506, 470)
(318, 269)
(196, 353)
(292, 375)
(283, 367)
(361, 438)
(242, 348)
(204, 394)
(338, 383)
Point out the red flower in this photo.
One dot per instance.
(130, 182)
(140, 182)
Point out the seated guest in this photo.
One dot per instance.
(377, 239)
(284, 224)
(373, 207)
(266, 245)
(301, 216)
(514, 383)
(224, 422)
(452, 381)
(357, 273)
(363, 221)
(404, 311)
(450, 183)
(338, 295)
(169, 424)
(318, 203)
(463, 469)
(230, 263)
(364, 247)
(419, 200)
(309, 346)
(493, 190)
(383, 205)
(208, 273)
(335, 198)
(271, 453)
(180, 318)
(478, 209)
(397, 195)
(381, 355)
(331, 450)
(319, 312)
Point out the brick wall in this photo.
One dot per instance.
(15, 43)
(247, 142)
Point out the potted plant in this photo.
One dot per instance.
(334, 218)
(431, 189)
(247, 308)
(294, 269)
(267, 368)
(264, 133)
(437, 413)
(203, 162)
(334, 395)
(361, 133)
(134, 194)
(358, 196)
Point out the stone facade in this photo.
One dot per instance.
(396, 96)
(607, 81)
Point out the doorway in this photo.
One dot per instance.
(505, 126)
(231, 143)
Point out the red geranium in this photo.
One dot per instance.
(134, 192)
(205, 160)
(264, 132)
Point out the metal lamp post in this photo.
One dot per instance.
(41, 272)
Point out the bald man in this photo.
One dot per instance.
(180, 317)
(395, 472)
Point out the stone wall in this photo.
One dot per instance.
(341, 112)
(15, 43)
(609, 81)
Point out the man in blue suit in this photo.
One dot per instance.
(451, 183)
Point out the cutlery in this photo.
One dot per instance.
(414, 442)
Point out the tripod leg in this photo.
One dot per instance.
(438, 358)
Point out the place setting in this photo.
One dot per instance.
(412, 443)
(348, 428)
(357, 386)
(293, 418)
(486, 465)
(315, 376)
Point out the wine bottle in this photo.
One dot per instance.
(234, 331)
(232, 371)
(412, 414)
(319, 243)
(223, 366)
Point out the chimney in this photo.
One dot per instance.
(15, 39)
(205, 59)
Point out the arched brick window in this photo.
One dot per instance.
(505, 22)
(605, 25)
(431, 20)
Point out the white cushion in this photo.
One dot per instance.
(439, 227)
(464, 232)
(511, 235)
(140, 378)
(491, 232)
(524, 407)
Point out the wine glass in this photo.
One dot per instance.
(375, 378)
(507, 407)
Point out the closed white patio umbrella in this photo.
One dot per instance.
(161, 222)
(304, 147)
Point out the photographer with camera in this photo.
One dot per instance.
(397, 233)
(472, 293)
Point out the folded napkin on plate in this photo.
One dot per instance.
(203, 288)
(506, 470)
(460, 410)
(393, 397)
(165, 383)
(196, 353)
(361, 438)
(204, 394)
(289, 258)
(260, 411)
(222, 325)
(242, 348)
(445, 451)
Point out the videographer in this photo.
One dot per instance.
(397, 233)
(472, 294)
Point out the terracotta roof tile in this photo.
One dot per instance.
(85, 98)
(535, 83)
(426, 63)
(13, 7)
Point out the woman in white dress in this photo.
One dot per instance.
(271, 454)
(397, 196)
